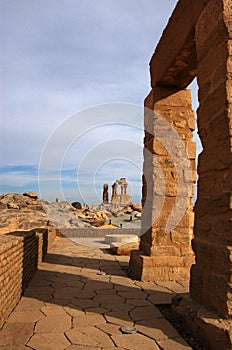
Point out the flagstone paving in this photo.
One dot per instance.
(81, 297)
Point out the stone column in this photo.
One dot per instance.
(105, 194)
(114, 197)
(169, 174)
(211, 279)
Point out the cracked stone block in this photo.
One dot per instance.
(16, 333)
(49, 341)
(53, 324)
(134, 342)
(89, 336)
(174, 344)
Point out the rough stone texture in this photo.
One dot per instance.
(20, 254)
(123, 197)
(211, 275)
(174, 60)
(166, 253)
(86, 309)
(196, 42)
(105, 194)
(22, 212)
(214, 332)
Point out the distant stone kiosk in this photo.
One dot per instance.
(122, 198)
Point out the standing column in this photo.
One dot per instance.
(211, 279)
(105, 194)
(114, 197)
(168, 178)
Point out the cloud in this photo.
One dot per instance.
(60, 57)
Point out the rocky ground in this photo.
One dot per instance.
(26, 212)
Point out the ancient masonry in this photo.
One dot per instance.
(21, 253)
(121, 198)
(197, 42)
(105, 194)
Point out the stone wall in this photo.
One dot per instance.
(20, 254)
(197, 42)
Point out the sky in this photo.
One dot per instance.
(63, 62)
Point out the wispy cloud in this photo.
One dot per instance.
(58, 58)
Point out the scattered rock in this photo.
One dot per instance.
(136, 207)
(77, 205)
(12, 206)
(32, 195)
(20, 212)
(26, 211)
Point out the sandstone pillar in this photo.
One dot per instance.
(105, 194)
(114, 197)
(211, 279)
(168, 175)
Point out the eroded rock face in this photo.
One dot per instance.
(26, 212)
(32, 195)
(21, 212)
(76, 205)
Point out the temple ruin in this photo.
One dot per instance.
(123, 197)
(197, 42)
(118, 198)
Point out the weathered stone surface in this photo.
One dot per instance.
(49, 341)
(105, 194)
(16, 334)
(122, 198)
(24, 213)
(203, 48)
(134, 342)
(88, 336)
(157, 328)
(85, 325)
(53, 324)
(77, 205)
(174, 60)
(174, 344)
(145, 313)
(32, 195)
(170, 191)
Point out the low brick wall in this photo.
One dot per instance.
(20, 254)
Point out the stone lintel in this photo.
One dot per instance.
(174, 60)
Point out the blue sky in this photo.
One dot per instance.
(58, 58)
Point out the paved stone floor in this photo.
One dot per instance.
(79, 299)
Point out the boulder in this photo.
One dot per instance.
(136, 207)
(32, 195)
(123, 249)
(77, 205)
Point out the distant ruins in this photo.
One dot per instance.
(122, 198)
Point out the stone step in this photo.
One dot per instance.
(120, 238)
